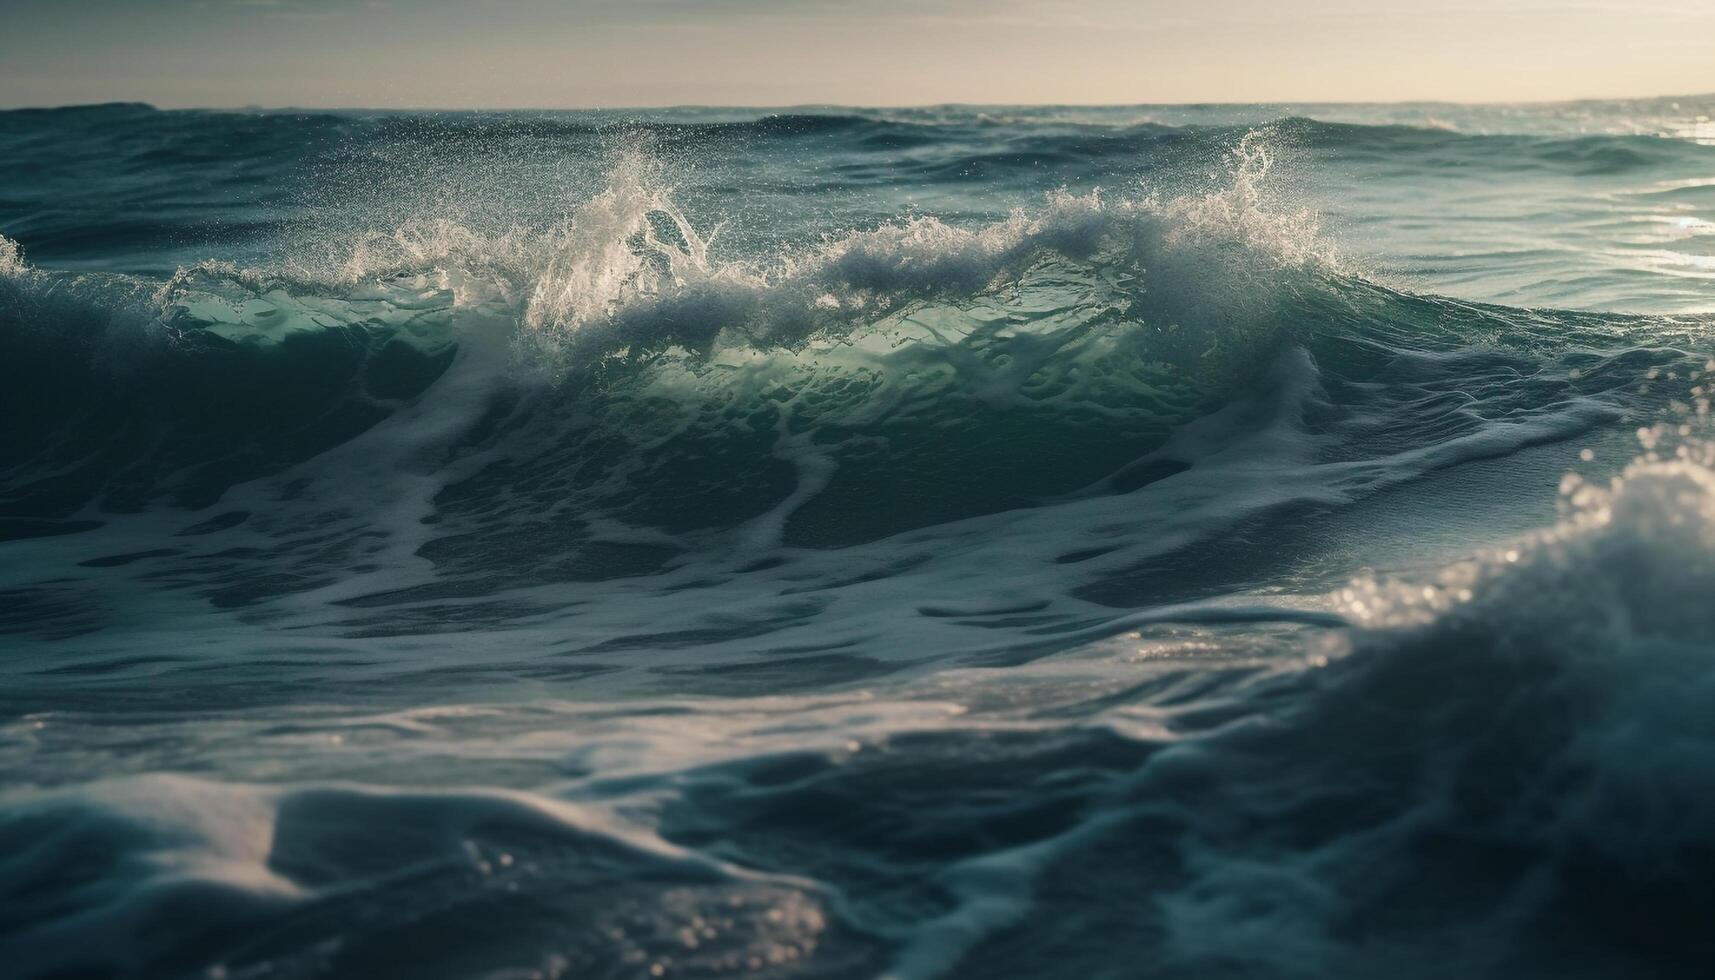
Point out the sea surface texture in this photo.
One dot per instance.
(1148, 542)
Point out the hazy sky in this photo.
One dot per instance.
(526, 53)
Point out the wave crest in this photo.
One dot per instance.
(629, 269)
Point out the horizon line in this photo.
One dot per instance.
(667, 106)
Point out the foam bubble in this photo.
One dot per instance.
(11, 257)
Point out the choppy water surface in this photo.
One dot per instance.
(1147, 542)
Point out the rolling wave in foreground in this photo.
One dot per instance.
(1151, 542)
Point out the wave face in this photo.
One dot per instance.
(1169, 541)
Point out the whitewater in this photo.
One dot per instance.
(1155, 541)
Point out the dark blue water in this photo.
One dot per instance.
(1129, 542)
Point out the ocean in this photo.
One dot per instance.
(1149, 542)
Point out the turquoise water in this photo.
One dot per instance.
(1142, 541)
